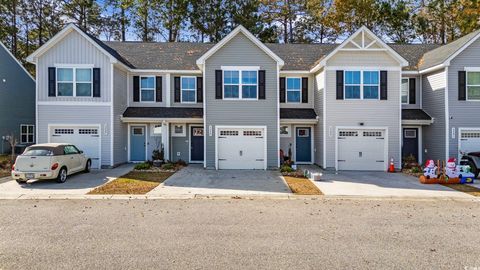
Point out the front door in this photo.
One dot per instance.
(137, 143)
(303, 145)
(196, 144)
(410, 143)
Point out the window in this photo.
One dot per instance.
(303, 132)
(179, 130)
(372, 134)
(87, 131)
(405, 91)
(240, 84)
(70, 150)
(228, 133)
(27, 133)
(59, 131)
(362, 84)
(147, 89)
(138, 131)
(348, 134)
(156, 129)
(294, 89)
(189, 89)
(256, 133)
(285, 131)
(473, 85)
(410, 133)
(74, 82)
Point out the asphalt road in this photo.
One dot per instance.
(239, 234)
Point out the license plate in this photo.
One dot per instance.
(29, 175)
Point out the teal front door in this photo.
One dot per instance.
(137, 143)
(303, 145)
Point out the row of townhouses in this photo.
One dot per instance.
(238, 103)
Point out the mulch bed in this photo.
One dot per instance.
(471, 190)
(135, 182)
(302, 186)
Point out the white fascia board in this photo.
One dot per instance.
(417, 122)
(160, 120)
(133, 70)
(201, 61)
(434, 68)
(299, 121)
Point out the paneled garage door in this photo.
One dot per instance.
(469, 141)
(362, 150)
(86, 139)
(241, 148)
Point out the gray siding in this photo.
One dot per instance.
(74, 49)
(17, 98)
(311, 83)
(179, 146)
(418, 91)
(461, 110)
(73, 115)
(240, 51)
(318, 106)
(120, 130)
(434, 105)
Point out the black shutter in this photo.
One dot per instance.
(339, 84)
(199, 89)
(176, 85)
(282, 89)
(52, 82)
(136, 88)
(412, 92)
(96, 82)
(218, 84)
(304, 90)
(462, 85)
(383, 85)
(158, 89)
(261, 84)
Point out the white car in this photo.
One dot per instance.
(50, 161)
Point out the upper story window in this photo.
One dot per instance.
(294, 90)
(405, 91)
(362, 85)
(74, 82)
(240, 84)
(189, 89)
(473, 85)
(147, 89)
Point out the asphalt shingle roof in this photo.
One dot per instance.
(163, 112)
(297, 113)
(412, 53)
(415, 114)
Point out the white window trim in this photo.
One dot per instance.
(152, 130)
(183, 134)
(408, 90)
(289, 129)
(21, 133)
(468, 71)
(286, 90)
(74, 77)
(240, 84)
(362, 85)
(181, 89)
(149, 89)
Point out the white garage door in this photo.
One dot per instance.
(361, 150)
(469, 141)
(86, 139)
(241, 148)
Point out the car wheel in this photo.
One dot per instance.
(62, 175)
(88, 166)
(20, 181)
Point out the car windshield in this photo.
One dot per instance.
(38, 152)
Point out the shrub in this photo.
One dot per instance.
(181, 162)
(168, 166)
(143, 166)
(286, 168)
(416, 170)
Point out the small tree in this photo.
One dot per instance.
(12, 141)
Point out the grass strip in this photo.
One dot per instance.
(471, 190)
(302, 186)
(137, 183)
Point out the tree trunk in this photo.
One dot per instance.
(123, 23)
(14, 28)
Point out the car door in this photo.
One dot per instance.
(72, 159)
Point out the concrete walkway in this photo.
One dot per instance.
(379, 184)
(78, 184)
(195, 180)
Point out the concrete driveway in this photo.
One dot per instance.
(195, 180)
(381, 184)
(78, 184)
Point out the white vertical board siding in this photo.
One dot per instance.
(462, 112)
(240, 51)
(433, 100)
(319, 86)
(373, 113)
(417, 104)
(77, 115)
(146, 104)
(74, 49)
(310, 92)
(120, 130)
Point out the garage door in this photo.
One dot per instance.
(240, 148)
(362, 150)
(86, 139)
(469, 141)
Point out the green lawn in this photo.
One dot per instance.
(133, 183)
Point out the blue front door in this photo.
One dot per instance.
(303, 144)
(137, 143)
